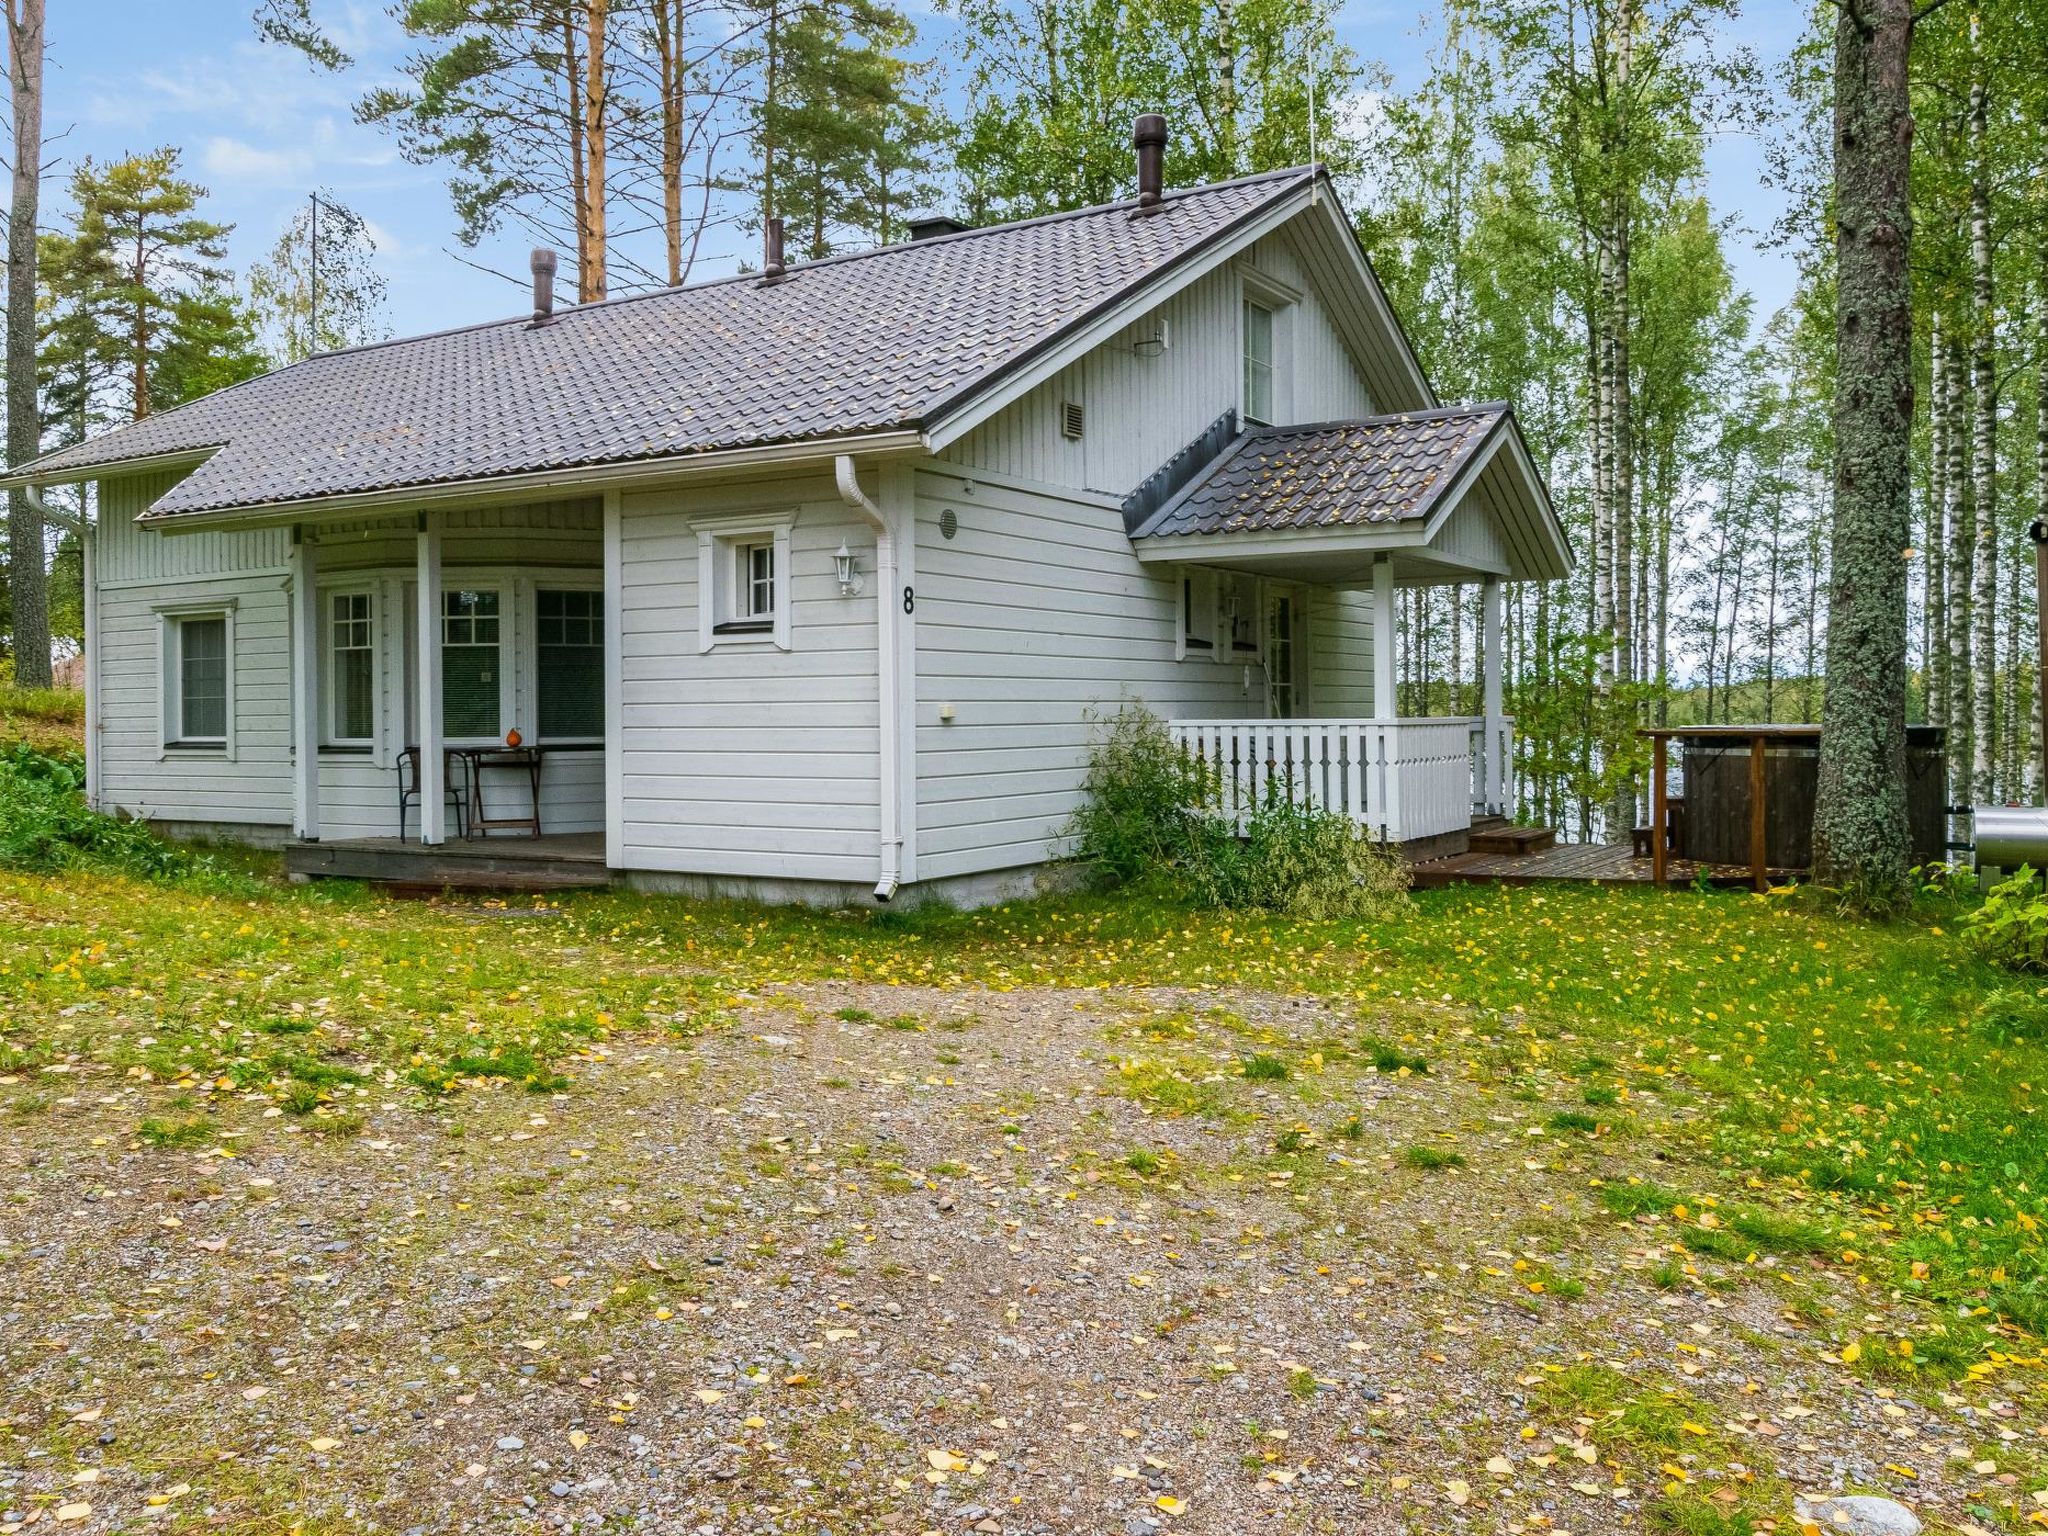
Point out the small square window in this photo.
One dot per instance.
(1258, 364)
(1198, 613)
(200, 714)
(754, 582)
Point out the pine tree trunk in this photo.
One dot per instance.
(1933, 559)
(27, 582)
(596, 119)
(1861, 840)
(670, 30)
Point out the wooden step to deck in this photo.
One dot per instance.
(502, 865)
(1503, 839)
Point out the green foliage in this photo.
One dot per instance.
(168, 1134)
(2011, 927)
(1262, 1068)
(2013, 1016)
(1137, 819)
(1430, 1159)
(1141, 821)
(45, 823)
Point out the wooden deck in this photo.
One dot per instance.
(558, 861)
(1605, 863)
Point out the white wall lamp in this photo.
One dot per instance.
(848, 565)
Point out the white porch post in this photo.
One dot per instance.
(1490, 646)
(305, 630)
(433, 770)
(1385, 638)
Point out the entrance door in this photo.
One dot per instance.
(1283, 655)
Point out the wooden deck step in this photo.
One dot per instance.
(463, 867)
(1503, 839)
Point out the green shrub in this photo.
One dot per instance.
(1298, 860)
(2013, 1016)
(1143, 820)
(1138, 818)
(46, 824)
(2011, 927)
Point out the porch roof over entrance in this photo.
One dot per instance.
(1453, 490)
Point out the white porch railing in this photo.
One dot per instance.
(1404, 779)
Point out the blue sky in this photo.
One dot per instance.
(260, 129)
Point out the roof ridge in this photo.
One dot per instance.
(837, 258)
(1390, 418)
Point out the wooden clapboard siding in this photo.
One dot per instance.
(1034, 615)
(141, 570)
(1142, 407)
(1340, 655)
(747, 760)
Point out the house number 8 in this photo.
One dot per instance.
(909, 600)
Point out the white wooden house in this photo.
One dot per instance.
(809, 581)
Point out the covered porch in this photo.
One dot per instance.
(447, 685)
(1362, 510)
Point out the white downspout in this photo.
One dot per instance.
(887, 702)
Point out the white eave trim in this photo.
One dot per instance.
(503, 488)
(107, 469)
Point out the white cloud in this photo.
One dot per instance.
(232, 160)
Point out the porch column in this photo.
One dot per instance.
(1386, 630)
(433, 770)
(1496, 790)
(305, 632)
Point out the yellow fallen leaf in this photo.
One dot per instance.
(1170, 1504)
(709, 1395)
(69, 1512)
(1500, 1466)
(250, 1394)
(578, 1439)
(324, 1443)
(755, 1421)
(1591, 1490)
(88, 1416)
(86, 1475)
(945, 1461)
(1851, 1353)
(1458, 1491)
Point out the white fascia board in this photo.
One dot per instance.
(499, 489)
(1339, 237)
(1220, 549)
(1139, 301)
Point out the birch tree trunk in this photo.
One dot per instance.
(1933, 559)
(1958, 543)
(27, 583)
(1983, 436)
(1861, 841)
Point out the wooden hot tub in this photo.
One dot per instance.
(1750, 791)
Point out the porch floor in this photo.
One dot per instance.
(1610, 863)
(557, 861)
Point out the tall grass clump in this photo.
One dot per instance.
(1147, 819)
(46, 824)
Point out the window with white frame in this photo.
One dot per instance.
(1259, 360)
(1197, 613)
(351, 669)
(1242, 606)
(743, 582)
(753, 584)
(198, 680)
(472, 664)
(568, 649)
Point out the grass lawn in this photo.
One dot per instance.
(1526, 1210)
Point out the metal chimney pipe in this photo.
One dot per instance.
(1148, 135)
(771, 248)
(544, 262)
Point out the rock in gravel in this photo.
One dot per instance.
(1861, 1515)
(511, 1443)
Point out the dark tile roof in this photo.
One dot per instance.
(1378, 469)
(872, 341)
